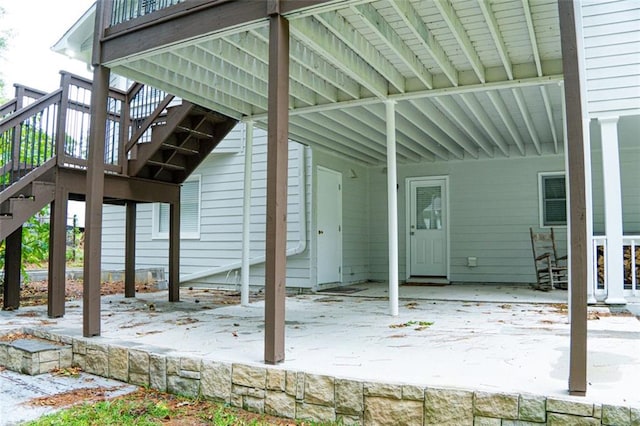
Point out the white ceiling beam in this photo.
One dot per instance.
(457, 114)
(526, 115)
(202, 62)
(363, 148)
(300, 79)
(472, 88)
(350, 131)
(197, 98)
(316, 36)
(549, 111)
(304, 135)
(345, 32)
(458, 31)
(417, 119)
(411, 136)
(410, 131)
(201, 76)
(449, 129)
(507, 119)
(315, 65)
(379, 25)
(532, 36)
(412, 20)
(492, 24)
(194, 85)
(234, 56)
(373, 123)
(485, 122)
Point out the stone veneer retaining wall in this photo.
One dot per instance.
(301, 395)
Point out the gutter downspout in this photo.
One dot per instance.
(246, 213)
(298, 249)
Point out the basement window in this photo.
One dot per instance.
(189, 212)
(553, 199)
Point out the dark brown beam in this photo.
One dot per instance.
(178, 23)
(56, 283)
(578, 262)
(93, 205)
(12, 261)
(187, 20)
(130, 251)
(122, 187)
(277, 167)
(174, 252)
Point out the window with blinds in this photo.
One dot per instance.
(189, 212)
(553, 199)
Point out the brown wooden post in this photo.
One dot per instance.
(61, 130)
(277, 168)
(95, 181)
(130, 251)
(57, 254)
(17, 131)
(12, 261)
(578, 263)
(174, 251)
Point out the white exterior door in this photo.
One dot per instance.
(428, 227)
(329, 230)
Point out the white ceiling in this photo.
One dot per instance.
(472, 78)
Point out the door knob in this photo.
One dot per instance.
(320, 232)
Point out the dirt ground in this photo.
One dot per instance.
(35, 293)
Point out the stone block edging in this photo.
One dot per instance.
(323, 398)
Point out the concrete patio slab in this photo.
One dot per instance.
(451, 337)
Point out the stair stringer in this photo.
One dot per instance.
(24, 206)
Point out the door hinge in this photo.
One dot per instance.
(339, 228)
(339, 187)
(339, 269)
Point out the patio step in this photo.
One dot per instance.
(34, 356)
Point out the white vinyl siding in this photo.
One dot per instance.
(492, 205)
(612, 56)
(189, 212)
(220, 243)
(553, 199)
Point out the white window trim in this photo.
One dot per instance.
(542, 175)
(155, 221)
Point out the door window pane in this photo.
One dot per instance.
(429, 207)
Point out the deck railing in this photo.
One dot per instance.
(36, 128)
(126, 10)
(631, 266)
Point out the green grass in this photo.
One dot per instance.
(154, 408)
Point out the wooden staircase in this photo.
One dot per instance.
(180, 144)
(180, 135)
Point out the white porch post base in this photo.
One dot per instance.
(392, 199)
(612, 210)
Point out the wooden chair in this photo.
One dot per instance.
(551, 269)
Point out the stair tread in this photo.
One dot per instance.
(194, 132)
(165, 165)
(181, 150)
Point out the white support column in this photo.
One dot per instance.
(392, 201)
(246, 213)
(612, 210)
